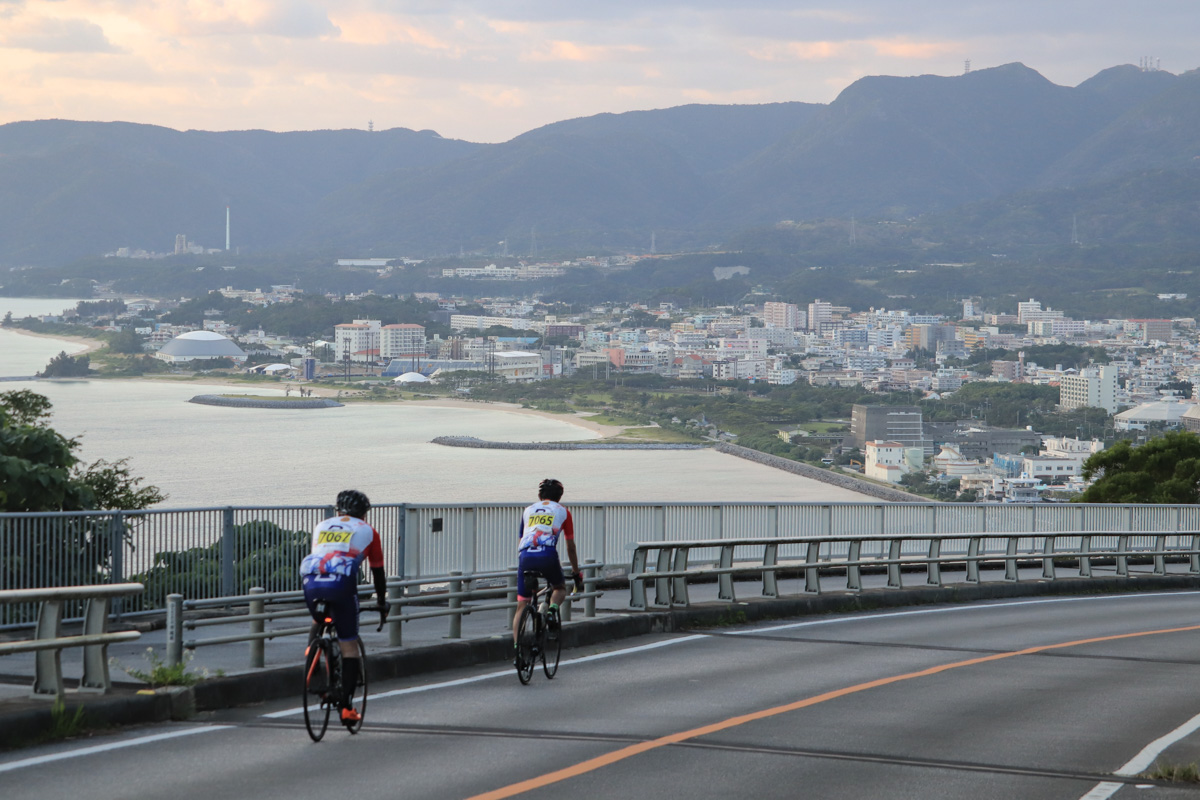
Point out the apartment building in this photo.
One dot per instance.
(357, 340)
(402, 340)
(1092, 387)
(782, 315)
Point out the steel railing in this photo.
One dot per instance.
(462, 594)
(675, 562)
(204, 553)
(48, 641)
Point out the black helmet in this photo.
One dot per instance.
(550, 489)
(354, 503)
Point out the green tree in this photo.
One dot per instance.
(1163, 470)
(39, 470)
(64, 366)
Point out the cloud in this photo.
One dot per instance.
(294, 19)
(58, 36)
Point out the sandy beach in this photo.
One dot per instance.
(87, 345)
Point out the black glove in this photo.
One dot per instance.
(578, 583)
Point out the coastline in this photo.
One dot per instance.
(88, 345)
(578, 419)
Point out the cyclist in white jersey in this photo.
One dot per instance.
(330, 573)
(541, 526)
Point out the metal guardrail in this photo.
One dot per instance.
(461, 598)
(204, 553)
(48, 642)
(675, 561)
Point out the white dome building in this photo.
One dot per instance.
(411, 377)
(199, 345)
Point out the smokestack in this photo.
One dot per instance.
(227, 228)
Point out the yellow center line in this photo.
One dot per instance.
(608, 759)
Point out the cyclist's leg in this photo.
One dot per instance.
(552, 570)
(344, 609)
(522, 596)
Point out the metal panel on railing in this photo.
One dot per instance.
(185, 551)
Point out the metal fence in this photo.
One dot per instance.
(219, 552)
(668, 566)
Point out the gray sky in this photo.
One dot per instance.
(487, 71)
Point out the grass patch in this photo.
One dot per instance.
(164, 674)
(663, 435)
(1175, 773)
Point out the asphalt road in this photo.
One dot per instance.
(1041, 698)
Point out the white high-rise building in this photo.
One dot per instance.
(358, 340)
(403, 340)
(1093, 387)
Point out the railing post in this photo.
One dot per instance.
(1048, 547)
(972, 560)
(679, 587)
(637, 586)
(812, 573)
(174, 630)
(395, 633)
(1085, 561)
(47, 671)
(725, 579)
(662, 586)
(95, 656)
(228, 553)
(117, 548)
(401, 541)
(894, 581)
(1122, 558)
(589, 586)
(1010, 558)
(933, 570)
(770, 559)
(1194, 558)
(853, 569)
(455, 604)
(258, 647)
(1160, 550)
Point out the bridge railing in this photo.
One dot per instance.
(460, 594)
(667, 566)
(205, 553)
(48, 641)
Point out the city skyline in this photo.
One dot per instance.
(486, 72)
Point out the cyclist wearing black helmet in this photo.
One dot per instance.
(541, 525)
(330, 573)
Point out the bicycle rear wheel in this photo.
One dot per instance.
(318, 688)
(551, 647)
(526, 640)
(360, 705)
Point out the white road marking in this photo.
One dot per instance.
(1143, 760)
(953, 609)
(104, 748)
(507, 673)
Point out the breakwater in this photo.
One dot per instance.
(471, 441)
(258, 402)
(842, 481)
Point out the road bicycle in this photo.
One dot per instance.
(538, 637)
(323, 677)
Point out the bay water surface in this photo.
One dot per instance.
(204, 456)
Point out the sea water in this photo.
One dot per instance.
(204, 456)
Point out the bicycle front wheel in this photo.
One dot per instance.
(526, 641)
(551, 647)
(318, 688)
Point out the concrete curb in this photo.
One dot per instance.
(28, 719)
